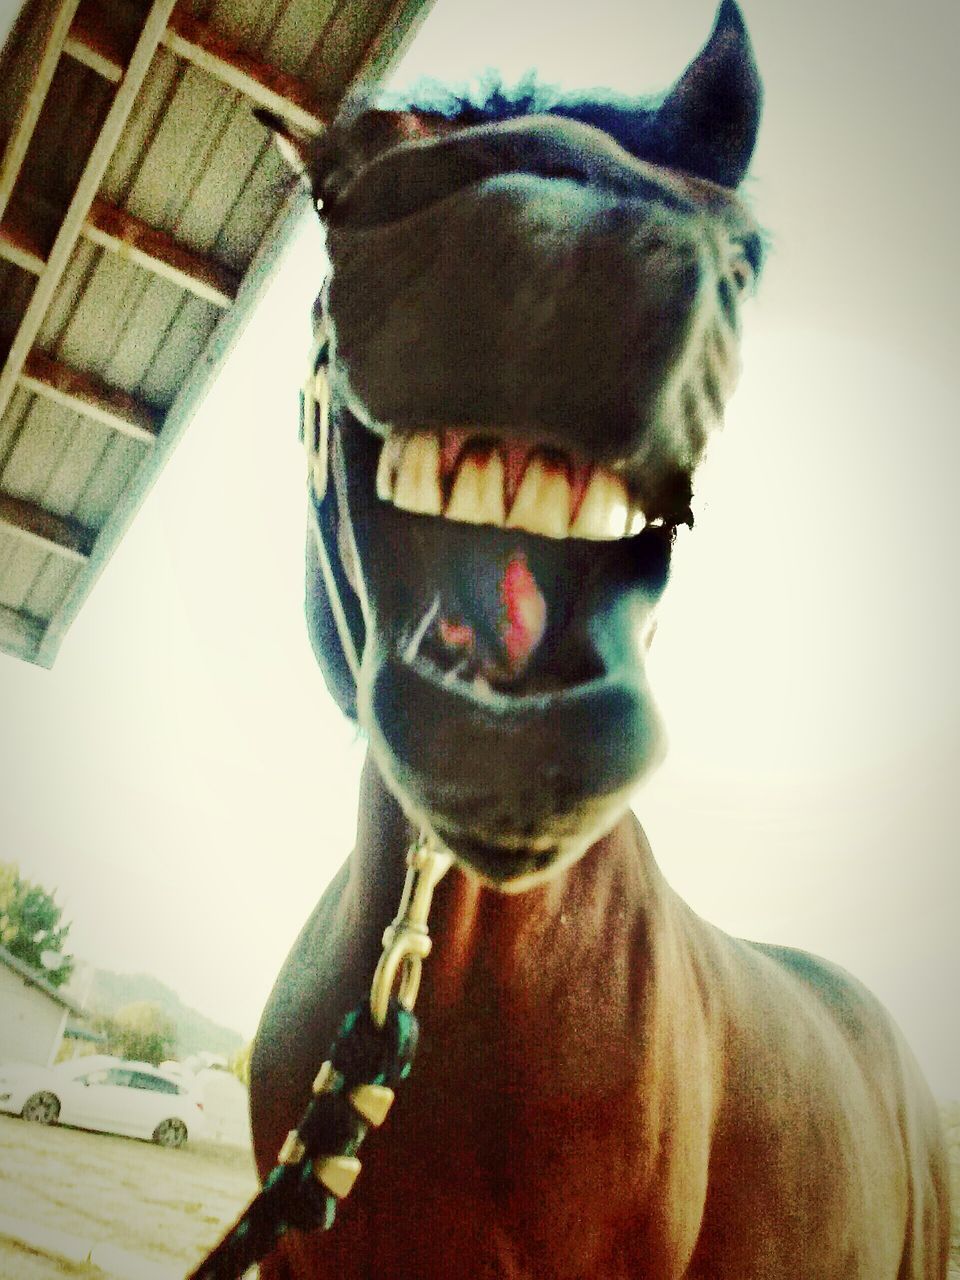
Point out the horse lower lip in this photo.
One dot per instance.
(495, 863)
(450, 753)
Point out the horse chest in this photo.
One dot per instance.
(491, 1186)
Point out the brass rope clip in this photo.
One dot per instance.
(406, 942)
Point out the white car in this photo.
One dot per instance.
(129, 1098)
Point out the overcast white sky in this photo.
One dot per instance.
(181, 777)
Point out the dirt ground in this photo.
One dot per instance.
(167, 1207)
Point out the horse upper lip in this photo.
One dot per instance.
(472, 479)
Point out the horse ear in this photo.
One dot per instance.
(329, 162)
(711, 115)
(294, 144)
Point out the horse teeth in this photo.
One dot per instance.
(636, 522)
(390, 456)
(477, 496)
(542, 504)
(604, 510)
(417, 486)
(410, 475)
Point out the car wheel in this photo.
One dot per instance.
(42, 1108)
(170, 1133)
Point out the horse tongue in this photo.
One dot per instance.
(501, 622)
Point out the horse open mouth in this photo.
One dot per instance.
(510, 589)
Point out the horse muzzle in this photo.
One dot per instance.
(533, 281)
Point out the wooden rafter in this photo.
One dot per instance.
(76, 214)
(132, 238)
(119, 44)
(20, 243)
(94, 43)
(27, 520)
(267, 86)
(86, 395)
(90, 42)
(122, 233)
(46, 38)
(198, 382)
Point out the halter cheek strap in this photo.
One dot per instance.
(328, 501)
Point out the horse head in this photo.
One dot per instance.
(530, 330)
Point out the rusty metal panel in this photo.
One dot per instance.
(161, 84)
(10, 548)
(152, 323)
(295, 39)
(183, 147)
(103, 490)
(11, 424)
(20, 572)
(254, 210)
(191, 163)
(107, 303)
(72, 286)
(222, 181)
(36, 453)
(345, 40)
(283, 33)
(84, 445)
(16, 287)
(54, 579)
(184, 341)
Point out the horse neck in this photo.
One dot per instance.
(563, 980)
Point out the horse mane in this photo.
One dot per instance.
(630, 120)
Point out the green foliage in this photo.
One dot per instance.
(239, 1064)
(195, 1033)
(141, 1031)
(30, 924)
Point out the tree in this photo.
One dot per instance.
(239, 1064)
(30, 925)
(141, 1031)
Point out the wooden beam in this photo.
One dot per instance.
(197, 383)
(20, 244)
(138, 242)
(20, 633)
(267, 86)
(202, 375)
(45, 40)
(129, 237)
(76, 214)
(81, 393)
(90, 42)
(66, 537)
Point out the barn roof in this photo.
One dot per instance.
(142, 209)
(33, 978)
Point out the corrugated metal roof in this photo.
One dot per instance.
(142, 209)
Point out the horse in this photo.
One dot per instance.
(528, 333)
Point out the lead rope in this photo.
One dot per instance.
(353, 1090)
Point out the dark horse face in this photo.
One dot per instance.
(532, 328)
